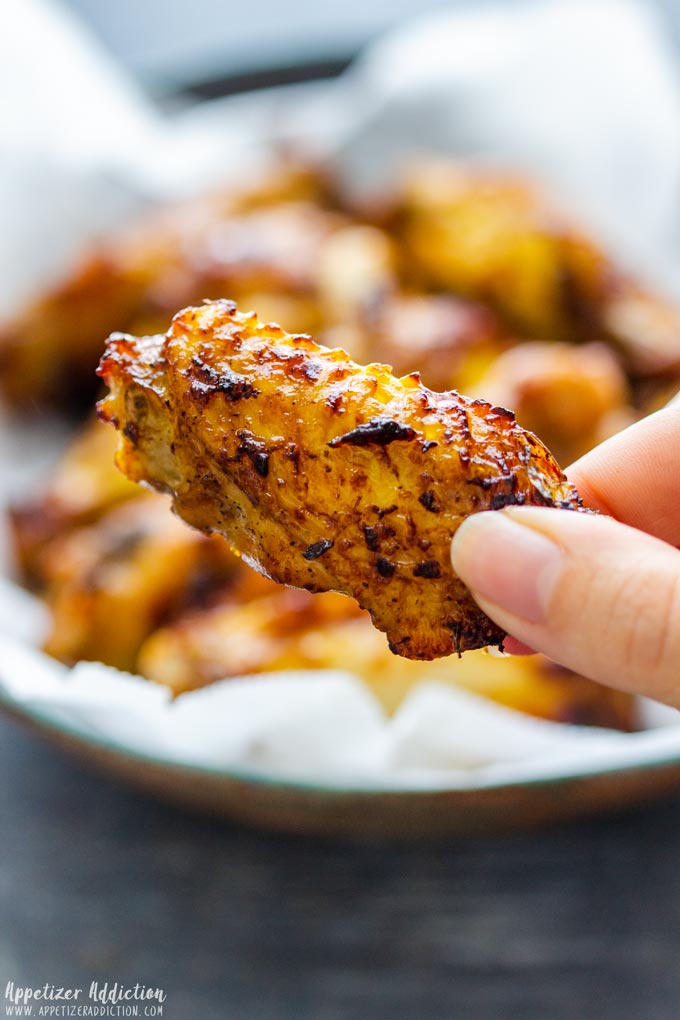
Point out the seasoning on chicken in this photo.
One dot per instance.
(572, 397)
(258, 243)
(324, 474)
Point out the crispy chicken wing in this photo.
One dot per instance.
(238, 638)
(83, 486)
(572, 397)
(447, 340)
(291, 629)
(260, 242)
(187, 612)
(111, 584)
(323, 474)
(293, 247)
(496, 238)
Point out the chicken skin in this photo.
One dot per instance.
(572, 397)
(323, 474)
(111, 584)
(83, 486)
(259, 242)
(496, 238)
(289, 629)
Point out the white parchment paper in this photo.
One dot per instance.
(582, 94)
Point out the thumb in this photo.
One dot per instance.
(596, 596)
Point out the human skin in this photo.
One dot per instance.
(598, 593)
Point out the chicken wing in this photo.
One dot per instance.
(291, 629)
(111, 584)
(260, 242)
(323, 474)
(496, 238)
(82, 487)
(572, 397)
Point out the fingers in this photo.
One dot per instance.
(511, 646)
(635, 475)
(593, 594)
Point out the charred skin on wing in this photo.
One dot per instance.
(324, 474)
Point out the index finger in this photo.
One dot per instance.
(635, 475)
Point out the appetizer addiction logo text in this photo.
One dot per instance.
(100, 1000)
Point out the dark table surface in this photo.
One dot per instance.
(99, 883)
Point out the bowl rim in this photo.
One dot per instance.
(44, 721)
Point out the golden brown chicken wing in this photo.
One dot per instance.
(367, 310)
(447, 340)
(323, 474)
(259, 242)
(237, 637)
(572, 397)
(113, 583)
(497, 239)
(292, 629)
(83, 486)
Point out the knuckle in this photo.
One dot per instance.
(664, 646)
(647, 618)
(625, 617)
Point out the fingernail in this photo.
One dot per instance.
(507, 563)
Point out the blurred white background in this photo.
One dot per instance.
(174, 43)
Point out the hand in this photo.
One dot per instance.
(599, 594)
